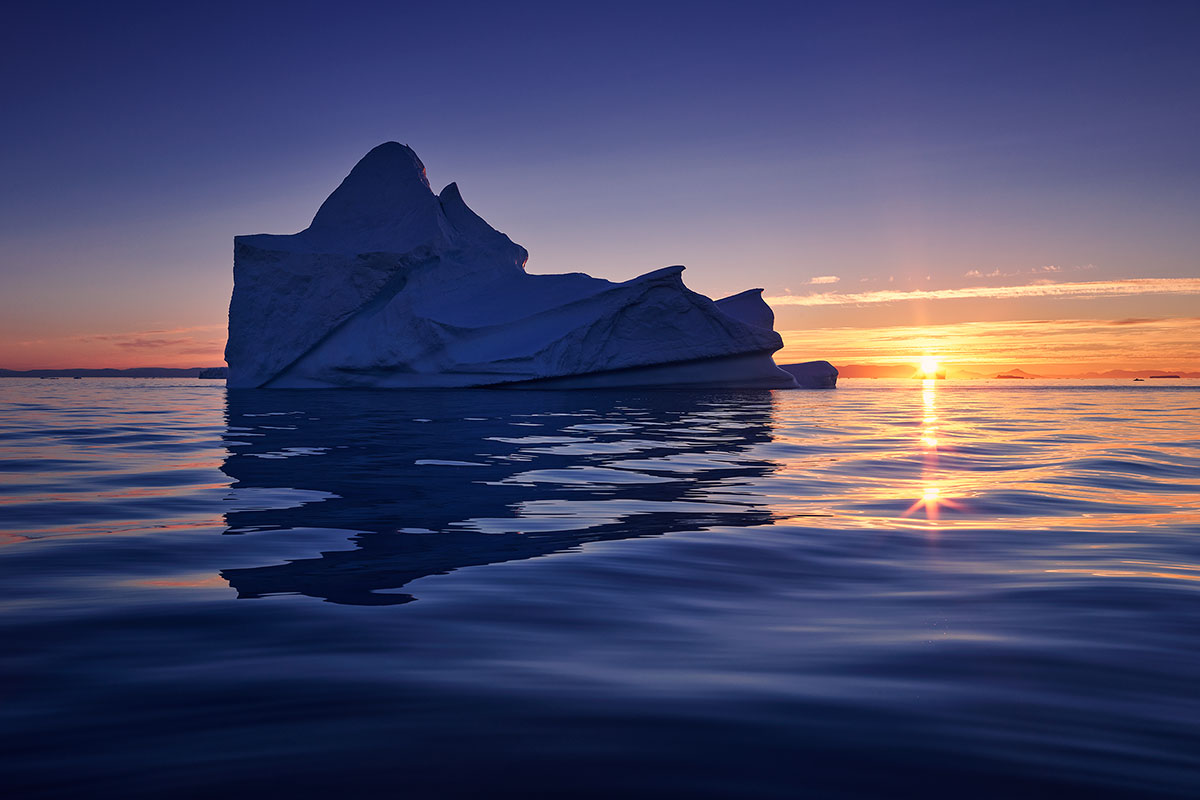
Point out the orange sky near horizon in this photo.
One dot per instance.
(871, 330)
(1032, 207)
(1051, 347)
(196, 346)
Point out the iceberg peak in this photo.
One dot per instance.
(750, 308)
(387, 193)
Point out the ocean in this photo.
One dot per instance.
(894, 588)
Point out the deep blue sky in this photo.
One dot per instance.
(757, 143)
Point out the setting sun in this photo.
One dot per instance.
(929, 366)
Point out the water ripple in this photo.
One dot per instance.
(974, 590)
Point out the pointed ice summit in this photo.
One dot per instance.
(394, 286)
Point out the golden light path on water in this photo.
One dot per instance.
(932, 498)
(940, 454)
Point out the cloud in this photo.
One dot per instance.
(159, 347)
(129, 336)
(996, 273)
(825, 279)
(155, 339)
(1081, 289)
(149, 344)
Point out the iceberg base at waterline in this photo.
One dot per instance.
(812, 374)
(393, 286)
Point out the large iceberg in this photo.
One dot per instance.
(394, 286)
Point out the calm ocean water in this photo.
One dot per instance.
(891, 589)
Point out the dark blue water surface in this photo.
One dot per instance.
(890, 589)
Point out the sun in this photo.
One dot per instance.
(929, 366)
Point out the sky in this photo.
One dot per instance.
(999, 184)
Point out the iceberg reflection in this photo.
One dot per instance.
(429, 482)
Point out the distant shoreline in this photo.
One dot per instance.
(195, 372)
(133, 372)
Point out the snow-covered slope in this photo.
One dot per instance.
(394, 286)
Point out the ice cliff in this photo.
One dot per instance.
(394, 286)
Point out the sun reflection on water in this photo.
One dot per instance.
(931, 500)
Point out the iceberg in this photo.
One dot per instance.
(393, 286)
(813, 374)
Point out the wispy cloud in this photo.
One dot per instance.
(825, 279)
(153, 337)
(152, 344)
(996, 273)
(163, 347)
(1131, 286)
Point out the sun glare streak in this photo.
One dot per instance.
(928, 502)
(929, 420)
(931, 503)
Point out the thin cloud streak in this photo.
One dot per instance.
(199, 345)
(1081, 289)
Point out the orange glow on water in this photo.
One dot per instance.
(1131, 573)
(931, 500)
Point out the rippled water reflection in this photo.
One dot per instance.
(935, 588)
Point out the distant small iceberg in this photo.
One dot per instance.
(1017, 374)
